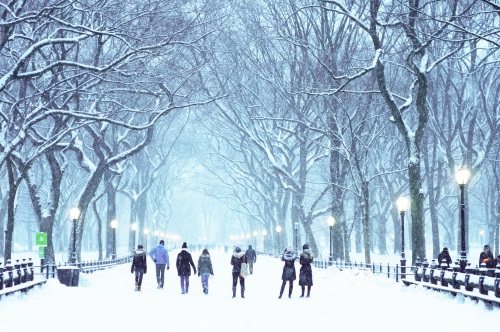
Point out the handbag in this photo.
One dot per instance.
(244, 270)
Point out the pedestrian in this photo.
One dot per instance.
(289, 256)
(237, 258)
(444, 257)
(205, 269)
(139, 266)
(486, 257)
(251, 256)
(226, 248)
(184, 264)
(305, 274)
(159, 255)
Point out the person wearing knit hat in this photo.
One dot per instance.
(444, 258)
(305, 274)
(139, 266)
(486, 258)
(159, 255)
(184, 263)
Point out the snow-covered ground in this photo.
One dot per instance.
(340, 300)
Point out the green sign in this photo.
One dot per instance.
(41, 252)
(41, 239)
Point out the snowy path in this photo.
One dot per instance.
(339, 300)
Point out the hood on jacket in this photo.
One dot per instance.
(238, 254)
(307, 253)
(290, 255)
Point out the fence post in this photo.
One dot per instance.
(1, 276)
(425, 265)
(397, 273)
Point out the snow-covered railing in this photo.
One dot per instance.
(23, 275)
(477, 283)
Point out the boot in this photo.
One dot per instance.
(290, 292)
(281, 291)
(136, 286)
(139, 288)
(308, 291)
(242, 292)
(303, 289)
(234, 292)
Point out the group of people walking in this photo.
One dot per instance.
(184, 263)
(242, 264)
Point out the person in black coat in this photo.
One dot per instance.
(444, 256)
(486, 257)
(237, 258)
(184, 263)
(289, 257)
(305, 274)
(139, 266)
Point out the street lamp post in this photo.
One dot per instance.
(74, 214)
(331, 221)
(278, 230)
(462, 176)
(402, 204)
(296, 234)
(146, 231)
(264, 233)
(134, 232)
(114, 224)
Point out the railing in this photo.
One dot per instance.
(476, 283)
(22, 275)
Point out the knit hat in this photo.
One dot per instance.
(445, 249)
(162, 242)
(486, 246)
(237, 249)
(305, 246)
(140, 246)
(184, 245)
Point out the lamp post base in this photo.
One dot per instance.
(403, 266)
(463, 261)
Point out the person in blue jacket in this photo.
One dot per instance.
(159, 255)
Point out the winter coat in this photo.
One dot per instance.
(159, 255)
(289, 258)
(236, 259)
(205, 264)
(139, 262)
(444, 255)
(305, 274)
(184, 260)
(488, 259)
(251, 254)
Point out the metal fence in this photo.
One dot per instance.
(23, 275)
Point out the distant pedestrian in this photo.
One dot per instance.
(305, 275)
(289, 256)
(184, 264)
(139, 266)
(205, 269)
(226, 248)
(486, 257)
(237, 258)
(444, 257)
(159, 255)
(251, 256)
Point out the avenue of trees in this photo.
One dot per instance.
(272, 113)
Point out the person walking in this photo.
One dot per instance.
(486, 257)
(251, 256)
(444, 257)
(184, 264)
(289, 256)
(237, 258)
(159, 255)
(205, 269)
(139, 266)
(305, 274)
